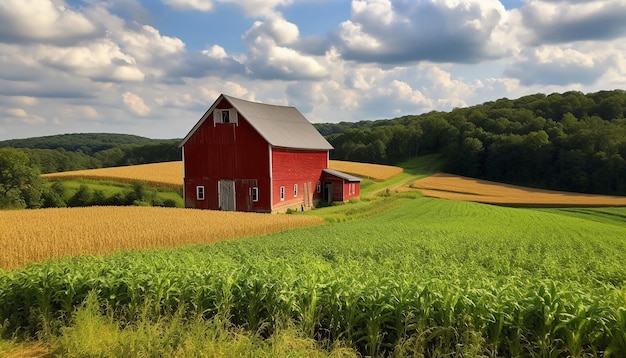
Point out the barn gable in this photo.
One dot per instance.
(280, 126)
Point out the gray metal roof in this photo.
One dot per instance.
(341, 175)
(280, 126)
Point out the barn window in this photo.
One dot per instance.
(282, 193)
(225, 116)
(295, 190)
(255, 194)
(319, 187)
(200, 192)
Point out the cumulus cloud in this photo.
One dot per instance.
(405, 31)
(101, 60)
(251, 8)
(552, 22)
(22, 116)
(43, 20)
(269, 55)
(202, 5)
(135, 104)
(553, 65)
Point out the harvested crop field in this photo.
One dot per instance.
(376, 172)
(454, 187)
(37, 235)
(169, 174)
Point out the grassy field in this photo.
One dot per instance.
(423, 277)
(392, 274)
(112, 187)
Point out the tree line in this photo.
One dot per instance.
(90, 154)
(21, 186)
(566, 141)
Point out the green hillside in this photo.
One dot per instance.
(87, 143)
(422, 277)
(564, 141)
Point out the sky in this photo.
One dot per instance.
(153, 67)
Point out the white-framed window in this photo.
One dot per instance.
(319, 187)
(295, 190)
(255, 194)
(200, 192)
(225, 116)
(282, 193)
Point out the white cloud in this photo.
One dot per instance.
(42, 20)
(25, 100)
(22, 116)
(406, 31)
(254, 8)
(101, 60)
(561, 21)
(202, 5)
(135, 104)
(217, 52)
(268, 59)
(17, 112)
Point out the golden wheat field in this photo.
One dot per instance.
(168, 174)
(40, 234)
(171, 173)
(447, 186)
(377, 172)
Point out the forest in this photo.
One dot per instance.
(564, 141)
(77, 151)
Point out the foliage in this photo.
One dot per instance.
(423, 278)
(86, 143)
(570, 141)
(60, 153)
(20, 185)
(60, 193)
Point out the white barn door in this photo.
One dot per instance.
(227, 195)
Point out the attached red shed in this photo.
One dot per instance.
(250, 156)
(340, 186)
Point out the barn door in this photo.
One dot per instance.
(227, 195)
(328, 192)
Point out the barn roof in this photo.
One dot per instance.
(280, 126)
(341, 175)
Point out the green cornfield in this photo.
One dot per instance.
(428, 277)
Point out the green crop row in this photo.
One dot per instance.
(428, 277)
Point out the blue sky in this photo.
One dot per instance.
(152, 68)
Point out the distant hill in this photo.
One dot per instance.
(87, 143)
(59, 153)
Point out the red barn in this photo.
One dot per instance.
(250, 156)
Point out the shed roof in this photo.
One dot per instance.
(280, 126)
(341, 175)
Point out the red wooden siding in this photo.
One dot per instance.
(300, 167)
(342, 190)
(227, 151)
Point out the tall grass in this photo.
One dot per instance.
(36, 235)
(422, 279)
